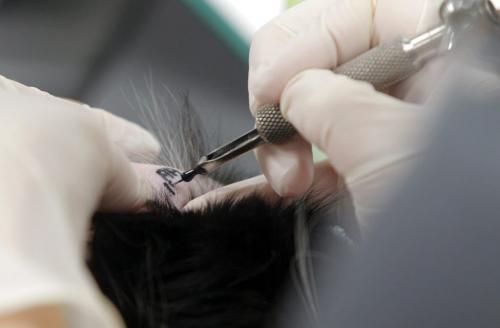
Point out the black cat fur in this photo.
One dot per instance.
(220, 268)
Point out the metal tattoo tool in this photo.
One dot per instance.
(383, 66)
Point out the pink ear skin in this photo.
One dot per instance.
(164, 187)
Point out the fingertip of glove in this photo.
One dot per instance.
(290, 175)
(262, 85)
(294, 183)
(139, 145)
(135, 141)
(151, 144)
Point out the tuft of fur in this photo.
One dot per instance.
(177, 125)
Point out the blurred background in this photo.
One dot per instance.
(103, 52)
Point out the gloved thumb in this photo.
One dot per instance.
(127, 188)
(358, 128)
(135, 142)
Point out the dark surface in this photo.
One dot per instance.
(95, 51)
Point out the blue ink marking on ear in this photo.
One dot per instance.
(170, 176)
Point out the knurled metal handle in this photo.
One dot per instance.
(382, 67)
(272, 126)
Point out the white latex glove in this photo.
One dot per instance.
(344, 118)
(59, 162)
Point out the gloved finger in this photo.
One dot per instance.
(361, 130)
(324, 185)
(288, 167)
(253, 186)
(337, 32)
(273, 38)
(135, 142)
(127, 189)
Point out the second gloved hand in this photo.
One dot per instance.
(59, 162)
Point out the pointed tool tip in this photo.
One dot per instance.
(189, 175)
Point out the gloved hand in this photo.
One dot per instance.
(346, 119)
(371, 139)
(59, 162)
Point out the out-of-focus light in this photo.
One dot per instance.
(495, 5)
(247, 16)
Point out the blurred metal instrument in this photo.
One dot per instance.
(383, 66)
